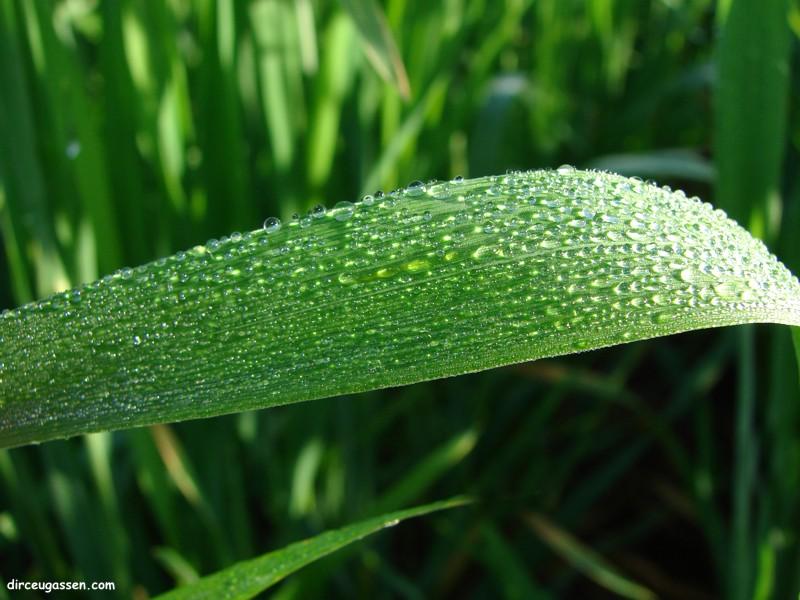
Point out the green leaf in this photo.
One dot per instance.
(678, 164)
(251, 577)
(585, 559)
(751, 108)
(379, 45)
(430, 281)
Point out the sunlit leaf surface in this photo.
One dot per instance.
(429, 281)
(248, 578)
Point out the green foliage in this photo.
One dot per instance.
(249, 578)
(586, 560)
(431, 281)
(131, 130)
(753, 79)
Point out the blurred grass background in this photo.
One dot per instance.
(133, 129)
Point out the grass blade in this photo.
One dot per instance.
(266, 19)
(337, 75)
(585, 559)
(249, 578)
(27, 218)
(796, 340)
(676, 164)
(378, 43)
(751, 111)
(428, 471)
(427, 282)
(509, 569)
(750, 130)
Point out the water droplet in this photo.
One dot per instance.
(272, 224)
(565, 169)
(318, 211)
(415, 188)
(635, 235)
(426, 216)
(688, 275)
(137, 340)
(343, 210)
(73, 149)
(368, 200)
(417, 265)
(482, 251)
(726, 290)
(458, 179)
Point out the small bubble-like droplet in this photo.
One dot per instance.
(565, 169)
(343, 210)
(415, 188)
(73, 149)
(318, 211)
(417, 265)
(688, 275)
(272, 224)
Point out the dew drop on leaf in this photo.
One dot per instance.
(415, 188)
(343, 210)
(271, 224)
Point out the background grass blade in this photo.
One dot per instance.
(661, 164)
(427, 282)
(751, 114)
(378, 43)
(28, 223)
(585, 559)
(247, 579)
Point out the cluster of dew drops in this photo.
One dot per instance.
(342, 211)
(587, 235)
(597, 226)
